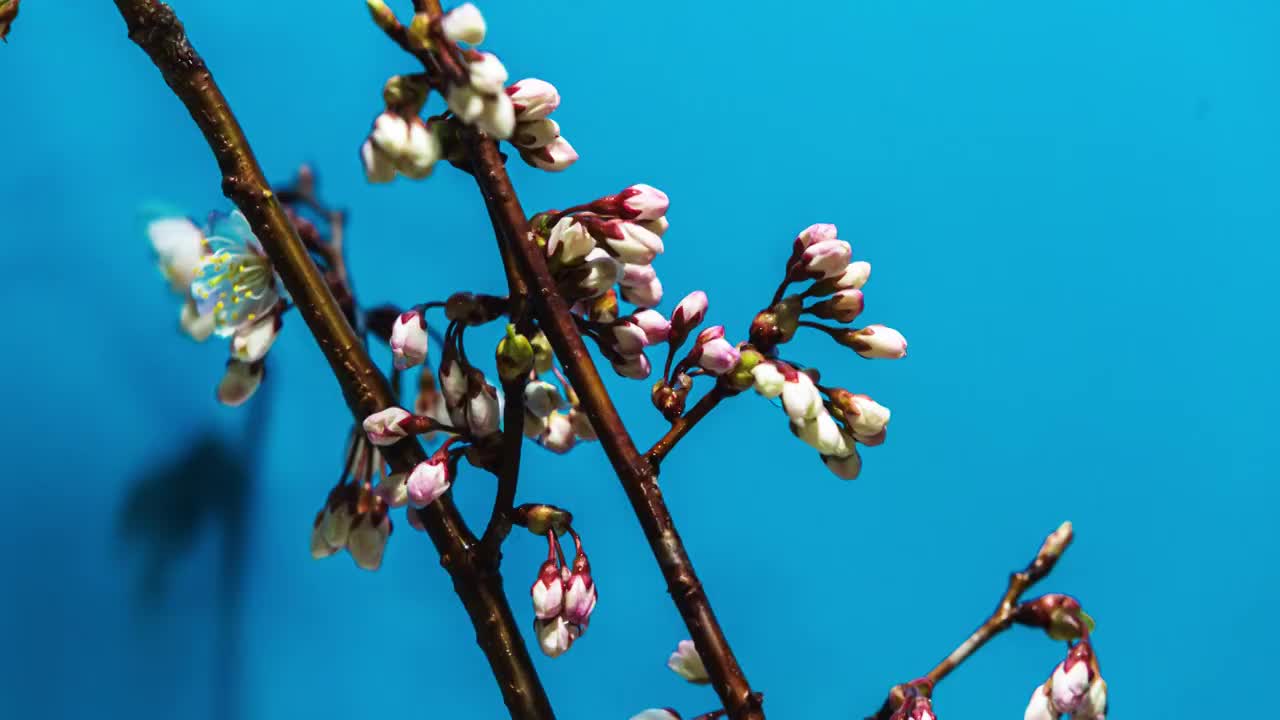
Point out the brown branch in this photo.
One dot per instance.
(637, 475)
(155, 28)
(685, 423)
(1001, 618)
(513, 411)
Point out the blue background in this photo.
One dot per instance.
(1072, 212)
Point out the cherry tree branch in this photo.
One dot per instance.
(637, 475)
(155, 28)
(1001, 619)
(685, 423)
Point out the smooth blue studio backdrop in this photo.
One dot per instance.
(1072, 213)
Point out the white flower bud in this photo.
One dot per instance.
(1040, 707)
(498, 118)
(822, 433)
(558, 434)
(800, 399)
(535, 134)
(534, 99)
(385, 427)
(464, 24)
(487, 75)
(368, 539)
(555, 635)
(554, 157)
(686, 663)
(769, 381)
(378, 167)
(878, 341)
(569, 241)
(541, 398)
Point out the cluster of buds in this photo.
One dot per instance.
(552, 418)
(355, 515)
(563, 596)
(401, 142)
(609, 242)
(1075, 688)
(537, 136)
(227, 287)
(474, 87)
(819, 256)
(832, 421)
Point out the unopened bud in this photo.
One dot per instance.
(533, 99)
(541, 518)
(686, 663)
(409, 339)
(580, 592)
(543, 357)
(382, 15)
(741, 377)
(1056, 543)
(874, 341)
(240, 382)
(464, 24)
(547, 591)
(514, 355)
(843, 307)
(687, 316)
(405, 94)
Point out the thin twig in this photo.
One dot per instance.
(685, 423)
(638, 477)
(1001, 618)
(155, 28)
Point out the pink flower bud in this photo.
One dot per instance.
(634, 275)
(428, 480)
(628, 337)
(580, 593)
(642, 202)
(657, 226)
(715, 354)
(533, 99)
(823, 259)
(555, 636)
(915, 708)
(845, 468)
(1071, 679)
(409, 339)
(547, 591)
(816, 233)
(688, 315)
(386, 427)
(464, 24)
(535, 133)
(656, 328)
(552, 157)
(643, 296)
(686, 663)
(715, 332)
(635, 367)
(240, 382)
(878, 341)
(843, 307)
(557, 434)
(627, 241)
